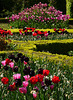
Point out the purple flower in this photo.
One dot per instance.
(26, 71)
(19, 55)
(36, 88)
(47, 82)
(51, 87)
(11, 56)
(6, 67)
(15, 69)
(42, 83)
(40, 71)
(18, 82)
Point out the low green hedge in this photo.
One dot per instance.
(59, 48)
(28, 48)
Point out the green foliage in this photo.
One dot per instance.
(29, 48)
(61, 5)
(4, 45)
(72, 10)
(68, 7)
(7, 8)
(29, 3)
(70, 53)
(59, 48)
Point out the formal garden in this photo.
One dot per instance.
(36, 50)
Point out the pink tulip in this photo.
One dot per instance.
(20, 33)
(25, 63)
(46, 34)
(3, 63)
(34, 95)
(23, 90)
(6, 18)
(25, 83)
(17, 76)
(11, 64)
(26, 77)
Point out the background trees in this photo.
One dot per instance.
(8, 7)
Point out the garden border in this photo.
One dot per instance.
(26, 47)
(51, 30)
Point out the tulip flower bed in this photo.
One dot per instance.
(33, 34)
(39, 16)
(22, 77)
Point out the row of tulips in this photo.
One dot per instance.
(25, 31)
(27, 79)
(28, 33)
(5, 32)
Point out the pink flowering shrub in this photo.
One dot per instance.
(39, 16)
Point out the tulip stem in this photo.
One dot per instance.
(44, 95)
(57, 92)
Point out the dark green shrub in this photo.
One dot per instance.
(59, 48)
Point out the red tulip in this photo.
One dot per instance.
(12, 87)
(34, 34)
(55, 79)
(5, 80)
(25, 31)
(40, 77)
(7, 61)
(46, 72)
(54, 29)
(28, 28)
(33, 80)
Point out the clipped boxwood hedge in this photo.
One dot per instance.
(28, 48)
(59, 48)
